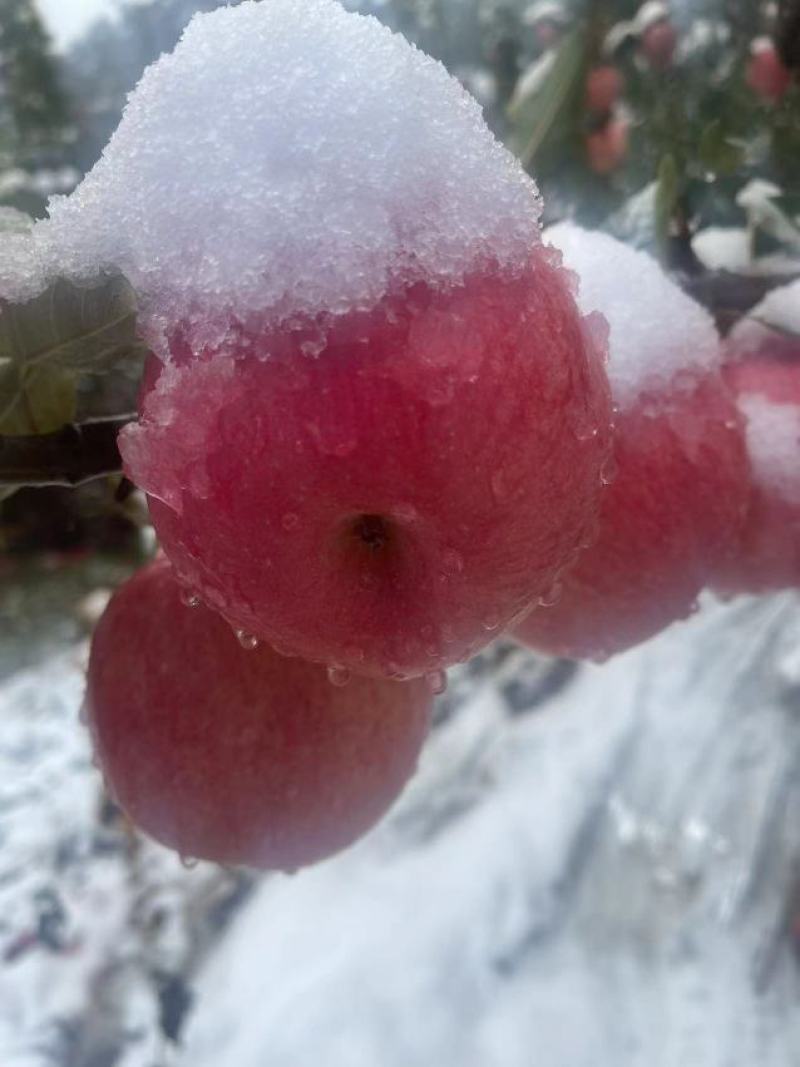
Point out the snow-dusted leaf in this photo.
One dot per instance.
(77, 327)
(535, 113)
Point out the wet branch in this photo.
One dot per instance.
(69, 457)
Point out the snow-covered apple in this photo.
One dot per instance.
(240, 755)
(378, 419)
(765, 72)
(678, 484)
(764, 374)
(657, 44)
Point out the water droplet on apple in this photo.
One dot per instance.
(608, 471)
(437, 681)
(405, 513)
(552, 596)
(338, 676)
(499, 485)
(586, 431)
(283, 650)
(246, 640)
(190, 599)
(290, 521)
(491, 622)
(189, 862)
(453, 562)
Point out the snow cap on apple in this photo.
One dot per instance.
(374, 431)
(678, 492)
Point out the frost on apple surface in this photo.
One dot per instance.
(332, 160)
(656, 331)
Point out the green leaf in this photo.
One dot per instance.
(716, 153)
(73, 327)
(37, 401)
(535, 114)
(667, 188)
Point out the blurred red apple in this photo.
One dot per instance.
(240, 756)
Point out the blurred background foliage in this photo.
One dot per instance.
(675, 126)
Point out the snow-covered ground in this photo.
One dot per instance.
(594, 866)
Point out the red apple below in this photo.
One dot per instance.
(241, 757)
(387, 490)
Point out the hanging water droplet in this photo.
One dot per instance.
(246, 640)
(437, 681)
(584, 431)
(290, 521)
(552, 596)
(338, 676)
(491, 622)
(189, 862)
(190, 599)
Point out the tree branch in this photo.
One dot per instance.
(69, 457)
(729, 297)
(787, 36)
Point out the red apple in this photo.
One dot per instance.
(765, 72)
(607, 148)
(768, 554)
(385, 490)
(238, 756)
(674, 506)
(603, 88)
(657, 44)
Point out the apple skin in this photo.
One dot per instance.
(603, 88)
(768, 553)
(676, 503)
(658, 43)
(241, 757)
(391, 501)
(765, 72)
(607, 148)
